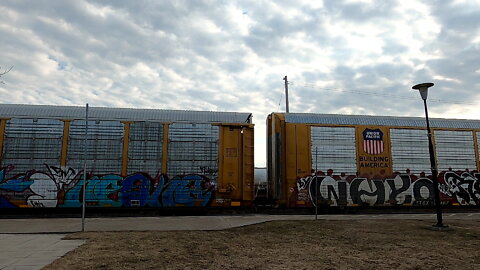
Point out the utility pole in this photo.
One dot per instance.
(85, 168)
(316, 185)
(286, 93)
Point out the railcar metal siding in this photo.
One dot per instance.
(248, 184)
(235, 185)
(104, 146)
(270, 159)
(477, 148)
(278, 170)
(374, 120)
(279, 156)
(333, 148)
(385, 147)
(121, 114)
(230, 169)
(31, 143)
(275, 156)
(3, 124)
(124, 157)
(297, 156)
(454, 150)
(410, 150)
(145, 148)
(193, 149)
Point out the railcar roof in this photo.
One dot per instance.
(339, 119)
(120, 114)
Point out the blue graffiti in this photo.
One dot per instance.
(16, 185)
(5, 203)
(103, 191)
(14, 192)
(111, 190)
(190, 190)
(141, 190)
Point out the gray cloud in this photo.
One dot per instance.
(361, 12)
(341, 57)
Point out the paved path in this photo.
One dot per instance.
(33, 251)
(31, 244)
(174, 223)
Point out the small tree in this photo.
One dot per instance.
(5, 72)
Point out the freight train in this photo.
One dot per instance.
(146, 158)
(353, 160)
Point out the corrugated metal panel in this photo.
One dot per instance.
(30, 144)
(145, 147)
(104, 146)
(410, 150)
(277, 164)
(455, 150)
(478, 146)
(193, 149)
(334, 148)
(121, 114)
(368, 120)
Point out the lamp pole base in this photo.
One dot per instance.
(440, 227)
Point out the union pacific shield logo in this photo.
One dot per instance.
(373, 141)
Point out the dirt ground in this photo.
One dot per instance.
(323, 244)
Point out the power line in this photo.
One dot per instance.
(281, 98)
(371, 93)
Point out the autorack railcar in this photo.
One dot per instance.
(167, 158)
(134, 157)
(354, 160)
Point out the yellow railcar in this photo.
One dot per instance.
(134, 157)
(347, 160)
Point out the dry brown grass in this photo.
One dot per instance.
(323, 244)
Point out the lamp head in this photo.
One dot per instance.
(423, 88)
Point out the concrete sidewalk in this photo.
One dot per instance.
(33, 251)
(174, 223)
(30, 244)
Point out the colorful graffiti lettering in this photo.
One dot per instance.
(462, 188)
(36, 189)
(14, 192)
(63, 187)
(465, 187)
(189, 190)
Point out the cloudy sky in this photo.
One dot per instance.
(349, 57)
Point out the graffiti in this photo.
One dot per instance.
(189, 190)
(100, 191)
(465, 187)
(36, 189)
(14, 192)
(64, 187)
(49, 187)
(212, 173)
(401, 189)
(208, 170)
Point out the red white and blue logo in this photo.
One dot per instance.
(373, 141)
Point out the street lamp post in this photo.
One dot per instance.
(423, 88)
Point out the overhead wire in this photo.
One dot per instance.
(376, 93)
(280, 101)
